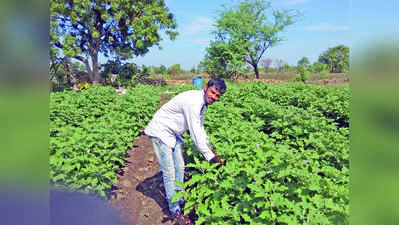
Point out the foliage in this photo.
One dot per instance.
(60, 72)
(286, 150)
(159, 70)
(286, 67)
(303, 72)
(324, 74)
(243, 33)
(336, 58)
(64, 73)
(77, 67)
(175, 70)
(304, 61)
(223, 60)
(270, 70)
(124, 28)
(91, 131)
(125, 71)
(317, 67)
(145, 71)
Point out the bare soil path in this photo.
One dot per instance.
(140, 197)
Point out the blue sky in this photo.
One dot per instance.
(323, 24)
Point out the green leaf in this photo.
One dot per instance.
(177, 196)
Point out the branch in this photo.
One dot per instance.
(58, 45)
(264, 49)
(132, 18)
(250, 62)
(80, 58)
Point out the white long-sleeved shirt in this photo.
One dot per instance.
(183, 112)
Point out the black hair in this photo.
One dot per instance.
(218, 83)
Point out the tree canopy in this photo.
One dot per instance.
(82, 29)
(224, 59)
(243, 33)
(336, 58)
(303, 61)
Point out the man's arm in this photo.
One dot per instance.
(197, 131)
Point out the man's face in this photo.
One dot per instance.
(211, 94)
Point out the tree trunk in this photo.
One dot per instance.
(68, 73)
(256, 71)
(89, 72)
(95, 79)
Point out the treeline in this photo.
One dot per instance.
(68, 74)
(334, 60)
(243, 33)
(82, 31)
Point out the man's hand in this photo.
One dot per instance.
(216, 159)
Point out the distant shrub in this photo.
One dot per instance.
(324, 74)
(303, 72)
(298, 78)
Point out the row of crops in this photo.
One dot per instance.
(91, 131)
(286, 149)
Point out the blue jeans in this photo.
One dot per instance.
(172, 166)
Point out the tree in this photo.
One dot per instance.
(247, 33)
(60, 70)
(303, 62)
(317, 67)
(82, 29)
(175, 70)
(77, 66)
(336, 58)
(163, 69)
(223, 60)
(286, 67)
(193, 70)
(303, 72)
(125, 70)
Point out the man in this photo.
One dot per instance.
(183, 112)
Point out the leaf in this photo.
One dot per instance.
(94, 182)
(287, 219)
(177, 196)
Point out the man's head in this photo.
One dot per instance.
(213, 90)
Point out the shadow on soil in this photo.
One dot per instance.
(153, 187)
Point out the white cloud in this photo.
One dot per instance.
(293, 2)
(198, 25)
(327, 27)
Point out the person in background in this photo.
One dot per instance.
(183, 112)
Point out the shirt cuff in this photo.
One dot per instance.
(209, 155)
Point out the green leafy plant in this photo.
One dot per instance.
(286, 150)
(91, 131)
(303, 72)
(324, 74)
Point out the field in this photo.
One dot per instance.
(286, 148)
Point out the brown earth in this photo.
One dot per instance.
(140, 197)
